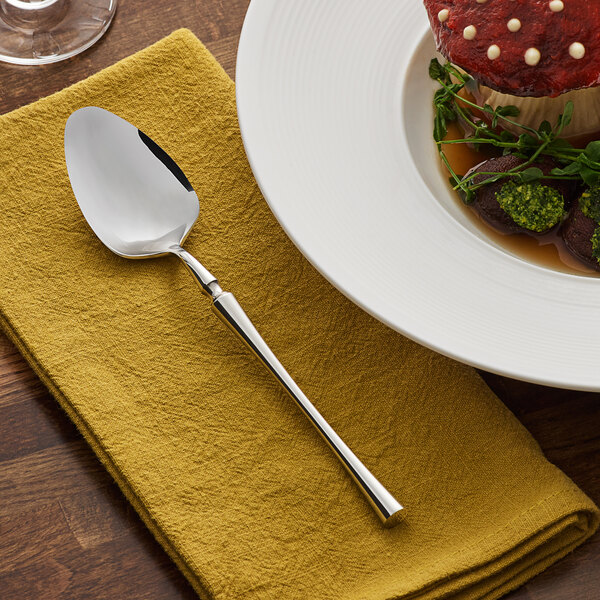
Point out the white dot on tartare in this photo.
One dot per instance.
(514, 25)
(532, 56)
(493, 52)
(556, 5)
(577, 50)
(469, 32)
(443, 15)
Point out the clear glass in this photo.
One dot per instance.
(35, 32)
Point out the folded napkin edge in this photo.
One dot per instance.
(183, 33)
(201, 587)
(524, 566)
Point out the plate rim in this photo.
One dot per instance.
(247, 39)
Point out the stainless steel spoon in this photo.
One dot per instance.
(141, 205)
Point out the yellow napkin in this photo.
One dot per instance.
(221, 465)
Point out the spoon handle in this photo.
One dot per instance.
(231, 313)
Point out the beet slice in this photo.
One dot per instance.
(577, 232)
(521, 47)
(485, 202)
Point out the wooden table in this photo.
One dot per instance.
(65, 529)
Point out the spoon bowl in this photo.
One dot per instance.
(132, 194)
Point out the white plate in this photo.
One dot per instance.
(335, 109)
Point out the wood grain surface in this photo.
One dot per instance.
(65, 529)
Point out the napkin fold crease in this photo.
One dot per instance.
(229, 476)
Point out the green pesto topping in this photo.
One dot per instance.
(532, 205)
(596, 244)
(590, 203)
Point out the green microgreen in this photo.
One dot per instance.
(589, 203)
(596, 244)
(484, 127)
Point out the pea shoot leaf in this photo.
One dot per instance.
(592, 151)
(529, 175)
(436, 71)
(487, 126)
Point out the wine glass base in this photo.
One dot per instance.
(57, 30)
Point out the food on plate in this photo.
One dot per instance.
(585, 121)
(513, 206)
(581, 231)
(521, 47)
(534, 54)
(521, 81)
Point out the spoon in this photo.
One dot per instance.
(141, 205)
